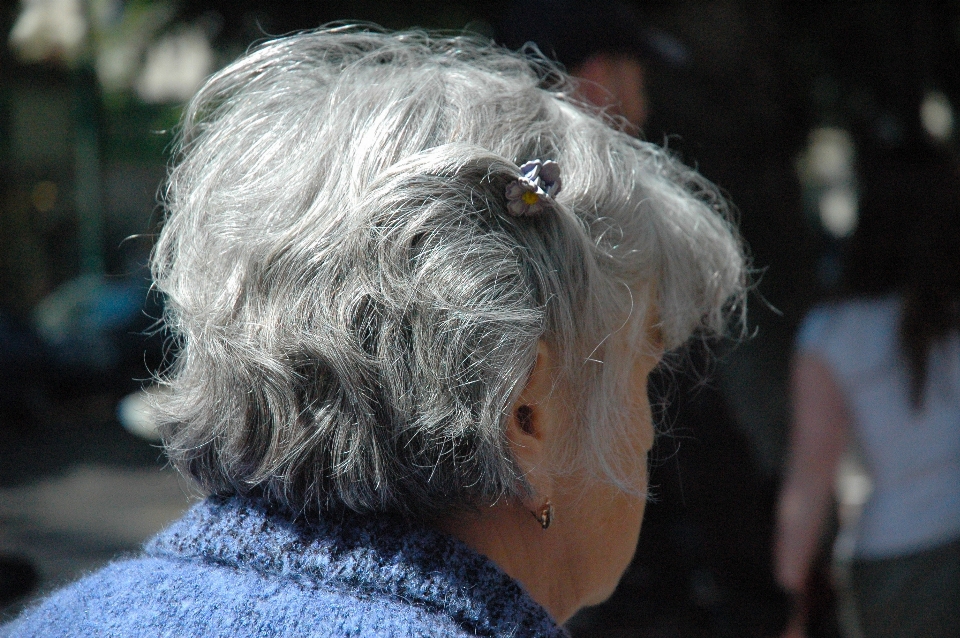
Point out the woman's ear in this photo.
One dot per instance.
(533, 426)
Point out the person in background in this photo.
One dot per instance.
(416, 291)
(603, 44)
(880, 369)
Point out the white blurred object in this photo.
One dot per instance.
(936, 115)
(854, 485)
(49, 29)
(852, 488)
(136, 414)
(838, 211)
(830, 154)
(112, 35)
(124, 33)
(826, 169)
(176, 66)
(116, 64)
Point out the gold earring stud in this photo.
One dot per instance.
(545, 515)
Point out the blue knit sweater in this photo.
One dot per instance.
(231, 567)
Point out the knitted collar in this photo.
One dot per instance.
(346, 552)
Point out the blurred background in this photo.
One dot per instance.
(782, 104)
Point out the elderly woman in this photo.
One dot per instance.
(415, 291)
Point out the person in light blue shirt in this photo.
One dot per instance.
(880, 369)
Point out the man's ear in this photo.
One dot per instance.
(532, 425)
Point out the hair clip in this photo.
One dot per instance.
(538, 183)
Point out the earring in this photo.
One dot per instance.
(545, 515)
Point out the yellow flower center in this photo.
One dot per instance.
(529, 198)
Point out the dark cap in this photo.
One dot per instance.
(570, 31)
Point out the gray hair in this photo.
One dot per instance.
(354, 310)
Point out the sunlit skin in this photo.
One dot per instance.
(579, 559)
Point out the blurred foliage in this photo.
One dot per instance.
(761, 75)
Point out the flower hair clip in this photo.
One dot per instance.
(538, 183)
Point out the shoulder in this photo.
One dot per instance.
(830, 319)
(859, 331)
(232, 567)
(158, 596)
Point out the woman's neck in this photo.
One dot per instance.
(510, 536)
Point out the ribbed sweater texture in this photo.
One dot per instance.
(235, 567)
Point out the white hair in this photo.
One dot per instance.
(354, 310)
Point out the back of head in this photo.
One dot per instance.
(355, 309)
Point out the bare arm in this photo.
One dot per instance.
(818, 437)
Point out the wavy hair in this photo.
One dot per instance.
(354, 310)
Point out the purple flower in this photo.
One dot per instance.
(538, 183)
